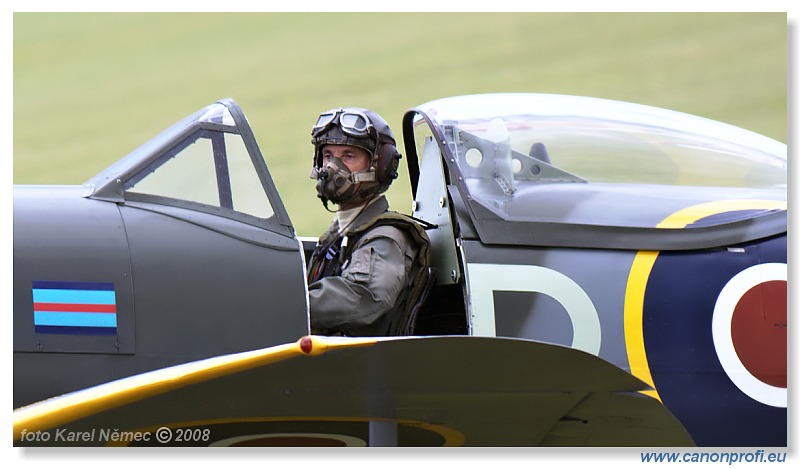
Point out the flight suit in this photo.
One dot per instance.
(360, 282)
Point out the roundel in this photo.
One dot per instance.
(707, 329)
(714, 336)
(297, 432)
(749, 331)
(292, 440)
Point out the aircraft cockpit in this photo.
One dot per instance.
(497, 174)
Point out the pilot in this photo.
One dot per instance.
(368, 273)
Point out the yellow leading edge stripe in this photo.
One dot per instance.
(643, 265)
(57, 411)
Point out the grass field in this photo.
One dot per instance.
(90, 87)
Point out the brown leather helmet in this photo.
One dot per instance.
(361, 128)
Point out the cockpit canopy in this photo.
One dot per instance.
(591, 162)
(524, 138)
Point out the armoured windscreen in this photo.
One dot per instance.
(211, 168)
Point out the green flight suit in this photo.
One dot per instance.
(368, 281)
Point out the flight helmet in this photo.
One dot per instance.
(361, 128)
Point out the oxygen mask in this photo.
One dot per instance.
(334, 181)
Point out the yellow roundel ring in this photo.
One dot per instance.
(450, 436)
(640, 274)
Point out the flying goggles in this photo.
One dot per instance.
(352, 123)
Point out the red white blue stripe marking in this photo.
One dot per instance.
(76, 308)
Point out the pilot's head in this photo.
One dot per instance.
(355, 156)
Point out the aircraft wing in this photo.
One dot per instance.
(410, 391)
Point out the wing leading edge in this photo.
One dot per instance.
(411, 391)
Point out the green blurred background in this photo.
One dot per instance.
(90, 87)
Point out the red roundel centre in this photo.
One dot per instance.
(758, 331)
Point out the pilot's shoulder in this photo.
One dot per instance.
(392, 232)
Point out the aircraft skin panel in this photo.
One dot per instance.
(219, 274)
(177, 270)
(72, 280)
(698, 347)
(715, 356)
(568, 297)
(643, 264)
(653, 348)
(721, 312)
(494, 392)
